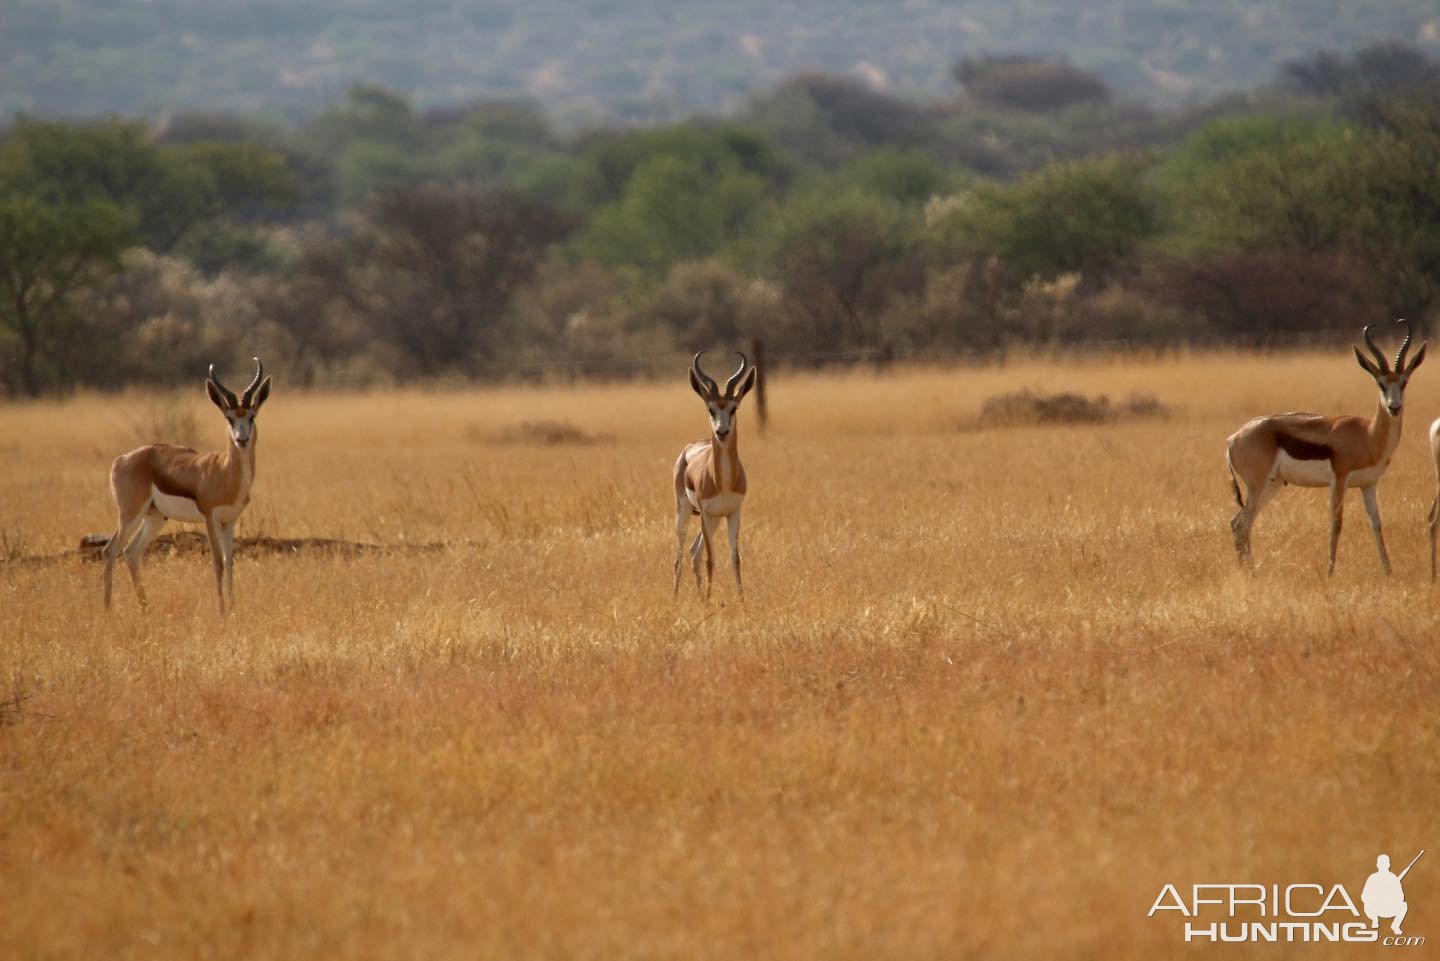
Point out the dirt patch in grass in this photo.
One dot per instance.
(1024, 407)
(545, 433)
(194, 542)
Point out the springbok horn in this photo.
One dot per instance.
(706, 378)
(227, 392)
(259, 375)
(735, 377)
(1379, 357)
(1404, 346)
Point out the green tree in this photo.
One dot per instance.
(493, 141)
(905, 176)
(673, 209)
(703, 304)
(841, 260)
(1259, 183)
(1085, 217)
(244, 182)
(1400, 192)
(433, 270)
(112, 161)
(373, 141)
(48, 254)
(172, 188)
(369, 113)
(616, 156)
(828, 120)
(1371, 194)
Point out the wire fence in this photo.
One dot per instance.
(887, 356)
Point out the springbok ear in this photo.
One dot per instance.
(698, 387)
(745, 385)
(1419, 356)
(262, 395)
(1369, 366)
(216, 398)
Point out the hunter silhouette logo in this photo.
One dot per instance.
(1383, 896)
(1236, 913)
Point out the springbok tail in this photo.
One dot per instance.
(1234, 481)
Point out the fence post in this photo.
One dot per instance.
(885, 358)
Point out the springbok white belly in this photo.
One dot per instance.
(1317, 473)
(228, 512)
(723, 505)
(176, 508)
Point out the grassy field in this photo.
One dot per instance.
(988, 689)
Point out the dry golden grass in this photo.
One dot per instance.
(988, 691)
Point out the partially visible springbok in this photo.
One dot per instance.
(1311, 450)
(161, 482)
(709, 479)
(1434, 505)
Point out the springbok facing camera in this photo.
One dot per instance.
(162, 482)
(1311, 450)
(709, 479)
(1435, 504)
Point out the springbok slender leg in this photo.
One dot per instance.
(1337, 516)
(1240, 530)
(697, 547)
(682, 523)
(124, 532)
(705, 532)
(1243, 522)
(227, 544)
(734, 524)
(217, 558)
(135, 553)
(1372, 507)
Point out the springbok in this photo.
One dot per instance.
(1311, 450)
(1435, 504)
(709, 478)
(162, 482)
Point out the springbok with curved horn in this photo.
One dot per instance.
(162, 482)
(1311, 450)
(709, 478)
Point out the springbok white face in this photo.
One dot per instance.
(722, 405)
(240, 412)
(1391, 382)
(722, 415)
(1394, 392)
(242, 426)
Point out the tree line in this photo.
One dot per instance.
(377, 242)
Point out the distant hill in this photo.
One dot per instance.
(636, 60)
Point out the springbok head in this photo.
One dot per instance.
(1391, 382)
(722, 405)
(240, 413)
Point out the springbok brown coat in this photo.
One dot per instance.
(161, 482)
(709, 479)
(1312, 450)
